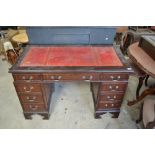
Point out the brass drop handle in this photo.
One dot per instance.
(115, 78)
(56, 78)
(23, 77)
(52, 77)
(31, 77)
(87, 78)
(117, 87)
(59, 77)
(31, 100)
(28, 91)
(110, 87)
(33, 107)
(110, 98)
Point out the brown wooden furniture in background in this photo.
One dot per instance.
(119, 33)
(132, 36)
(147, 114)
(146, 64)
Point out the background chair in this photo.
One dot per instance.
(147, 113)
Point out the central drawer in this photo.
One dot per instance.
(71, 76)
(31, 98)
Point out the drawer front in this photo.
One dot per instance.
(113, 86)
(27, 88)
(114, 77)
(31, 98)
(109, 105)
(111, 97)
(34, 107)
(71, 76)
(28, 77)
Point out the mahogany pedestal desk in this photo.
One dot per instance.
(62, 54)
(40, 67)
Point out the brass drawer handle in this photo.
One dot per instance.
(106, 105)
(112, 105)
(113, 89)
(31, 100)
(118, 77)
(115, 78)
(34, 107)
(52, 77)
(59, 77)
(28, 91)
(87, 78)
(110, 87)
(56, 78)
(23, 77)
(117, 87)
(110, 98)
(31, 77)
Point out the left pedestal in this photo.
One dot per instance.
(34, 95)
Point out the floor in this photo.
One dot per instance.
(75, 111)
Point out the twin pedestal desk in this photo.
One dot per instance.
(39, 67)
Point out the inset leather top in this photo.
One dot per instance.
(142, 59)
(71, 56)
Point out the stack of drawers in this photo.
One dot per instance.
(35, 90)
(33, 95)
(111, 92)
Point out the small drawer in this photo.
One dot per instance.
(113, 86)
(34, 107)
(111, 97)
(114, 77)
(27, 88)
(31, 98)
(71, 76)
(108, 105)
(28, 77)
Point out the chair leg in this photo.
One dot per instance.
(141, 79)
(146, 80)
(151, 125)
(146, 92)
(140, 114)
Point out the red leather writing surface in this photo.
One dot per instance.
(71, 56)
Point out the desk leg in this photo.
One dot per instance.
(28, 115)
(101, 106)
(115, 114)
(46, 116)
